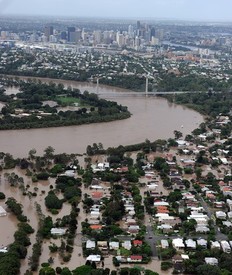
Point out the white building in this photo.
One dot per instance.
(225, 246)
(178, 243)
(58, 231)
(211, 261)
(215, 244)
(191, 244)
(2, 212)
(90, 244)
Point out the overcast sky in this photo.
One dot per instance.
(213, 10)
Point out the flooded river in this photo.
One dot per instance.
(152, 118)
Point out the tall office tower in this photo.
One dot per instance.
(152, 31)
(75, 36)
(106, 37)
(63, 35)
(160, 34)
(48, 31)
(120, 39)
(148, 35)
(71, 30)
(97, 37)
(131, 31)
(137, 41)
(138, 25)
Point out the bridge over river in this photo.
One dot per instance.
(131, 93)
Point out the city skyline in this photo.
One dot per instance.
(207, 10)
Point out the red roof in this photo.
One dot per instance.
(97, 195)
(137, 242)
(136, 257)
(96, 226)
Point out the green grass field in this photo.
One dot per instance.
(69, 100)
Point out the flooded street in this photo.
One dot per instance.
(152, 118)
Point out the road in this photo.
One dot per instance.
(152, 240)
(219, 235)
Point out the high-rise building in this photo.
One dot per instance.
(63, 35)
(70, 31)
(74, 37)
(48, 31)
(97, 37)
(131, 31)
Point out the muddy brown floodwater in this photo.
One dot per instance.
(152, 118)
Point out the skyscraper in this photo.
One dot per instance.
(70, 31)
(48, 30)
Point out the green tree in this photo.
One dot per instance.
(52, 201)
(207, 269)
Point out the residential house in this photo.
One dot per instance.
(137, 242)
(215, 244)
(103, 246)
(94, 258)
(127, 245)
(202, 229)
(96, 226)
(202, 242)
(211, 261)
(229, 203)
(190, 244)
(58, 231)
(165, 228)
(164, 244)
(227, 223)
(229, 214)
(135, 258)
(114, 245)
(178, 244)
(97, 196)
(2, 211)
(220, 215)
(227, 191)
(90, 244)
(225, 247)
(219, 204)
(133, 229)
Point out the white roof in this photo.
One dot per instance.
(215, 244)
(178, 242)
(161, 203)
(90, 244)
(225, 244)
(58, 231)
(2, 211)
(114, 245)
(202, 242)
(220, 214)
(211, 261)
(190, 243)
(164, 226)
(164, 243)
(201, 228)
(94, 258)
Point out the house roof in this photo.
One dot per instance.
(94, 258)
(96, 226)
(137, 242)
(97, 195)
(136, 257)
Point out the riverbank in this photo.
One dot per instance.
(152, 118)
